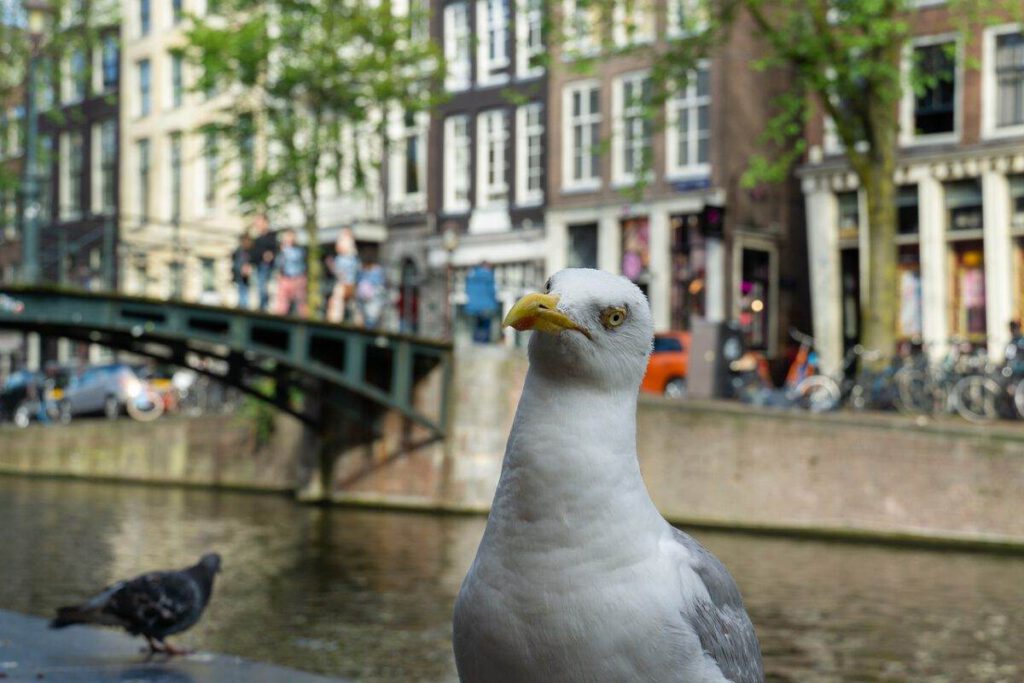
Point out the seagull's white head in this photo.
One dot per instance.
(595, 327)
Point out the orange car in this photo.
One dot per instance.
(666, 368)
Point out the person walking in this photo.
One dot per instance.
(370, 294)
(345, 268)
(241, 269)
(291, 277)
(482, 301)
(264, 251)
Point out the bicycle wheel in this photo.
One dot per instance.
(976, 398)
(818, 394)
(913, 395)
(145, 407)
(1018, 398)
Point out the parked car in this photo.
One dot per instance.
(20, 395)
(667, 366)
(101, 390)
(18, 398)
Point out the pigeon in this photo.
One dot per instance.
(578, 578)
(154, 605)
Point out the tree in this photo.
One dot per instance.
(845, 58)
(303, 75)
(72, 31)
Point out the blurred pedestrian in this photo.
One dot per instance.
(263, 255)
(482, 301)
(345, 268)
(291, 276)
(241, 270)
(370, 292)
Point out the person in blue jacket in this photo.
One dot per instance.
(482, 301)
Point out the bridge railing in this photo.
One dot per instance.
(382, 368)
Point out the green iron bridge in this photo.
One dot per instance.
(320, 373)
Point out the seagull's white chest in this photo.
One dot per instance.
(532, 617)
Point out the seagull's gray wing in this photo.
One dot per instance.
(723, 626)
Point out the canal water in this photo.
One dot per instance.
(368, 595)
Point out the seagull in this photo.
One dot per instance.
(578, 578)
(154, 605)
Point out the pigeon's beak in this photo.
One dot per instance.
(538, 312)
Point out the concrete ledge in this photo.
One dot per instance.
(29, 651)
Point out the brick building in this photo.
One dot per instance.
(960, 199)
(483, 199)
(694, 153)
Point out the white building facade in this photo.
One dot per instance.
(960, 204)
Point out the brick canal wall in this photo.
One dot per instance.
(716, 464)
(204, 451)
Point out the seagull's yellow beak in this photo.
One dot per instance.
(537, 312)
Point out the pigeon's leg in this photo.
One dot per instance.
(172, 650)
(155, 645)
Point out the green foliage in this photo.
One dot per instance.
(297, 75)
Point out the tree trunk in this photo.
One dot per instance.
(314, 265)
(881, 305)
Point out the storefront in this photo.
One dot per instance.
(960, 254)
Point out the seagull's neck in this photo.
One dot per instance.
(570, 468)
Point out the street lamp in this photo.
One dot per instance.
(37, 12)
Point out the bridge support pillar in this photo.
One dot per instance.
(315, 461)
(344, 423)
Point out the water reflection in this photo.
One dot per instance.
(367, 595)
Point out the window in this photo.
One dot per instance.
(935, 94)
(686, 17)
(144, 24)
(492, 50)
(46, 210)
(581, 164)
(177, 84)
(848, 214)
(108, 165)
(177, 12)
(145, 101)
(1017, 200)
(633, 22)
(407, 162)
(246, 149)
(907, 220)
(46, 78)
(689, 127)
(666, 344)
(529, 37)
(634, 127)
(110, 62)
(581, 27)
(963, 205)
(413, 156)
(208, 268)
(75, 167)
(142, 173)
(1009, 75)
(175, 176)
(456, 163)
(210, 164)
(582, 246)
(18, 139)
(79, 76)
(456, 46)
(492, 140)
(530, 154)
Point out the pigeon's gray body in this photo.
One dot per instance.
(155, 605)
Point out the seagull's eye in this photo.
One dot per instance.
(613, 316)
(547, 286)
